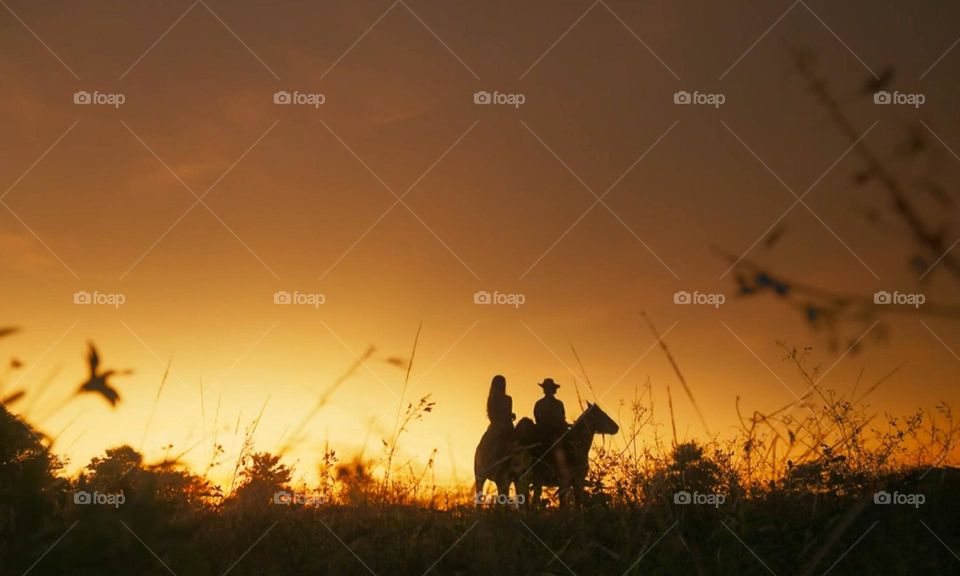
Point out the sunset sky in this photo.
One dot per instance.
(199, 198)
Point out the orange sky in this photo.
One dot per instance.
(297, 199)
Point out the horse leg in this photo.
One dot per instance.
(564, 480)
(523, 488)
(578, 493)
(478, 492)
(503, 490)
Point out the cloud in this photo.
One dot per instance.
(21, 252)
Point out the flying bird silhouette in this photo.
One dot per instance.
(99, 381)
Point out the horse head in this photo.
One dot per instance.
(598, 421)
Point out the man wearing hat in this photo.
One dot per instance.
(549, 414)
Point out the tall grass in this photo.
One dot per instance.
(797, 484)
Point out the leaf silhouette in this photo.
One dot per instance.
(8, 331)
(13, 397)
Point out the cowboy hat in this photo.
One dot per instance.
(548, 383)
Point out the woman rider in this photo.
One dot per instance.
(500, 413)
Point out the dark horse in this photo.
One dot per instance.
(575, 445)
(502, 464)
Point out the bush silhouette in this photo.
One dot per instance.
(31, 493)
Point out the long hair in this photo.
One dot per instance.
(498, 391)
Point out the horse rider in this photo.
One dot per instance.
(551, 420)
(500, 413)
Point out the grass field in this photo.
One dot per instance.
(855, 508)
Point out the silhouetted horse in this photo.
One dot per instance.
(575, 445)
(501, 464)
